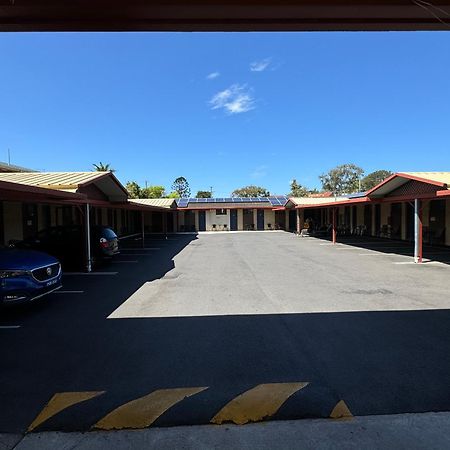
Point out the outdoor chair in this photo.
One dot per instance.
(214, 227)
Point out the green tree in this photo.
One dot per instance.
(174, 195)
(374, 178)
(297, 190)
(203, 194)
(250, 191)
(343, 179)
(153, 192)
(100, 167)
(181, 186)
(134, 190)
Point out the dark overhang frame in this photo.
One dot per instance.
(224, 15)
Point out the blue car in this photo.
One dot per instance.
(26, 275)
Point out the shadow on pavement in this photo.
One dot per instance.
(389, 246)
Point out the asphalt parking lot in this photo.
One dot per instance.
(185, 326)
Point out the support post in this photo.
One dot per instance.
(418, 232)
(164, 217)
(143, 228)
(88, 239)
(334, 225)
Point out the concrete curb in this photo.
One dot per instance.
(403, 431)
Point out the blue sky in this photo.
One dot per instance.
(226, 110)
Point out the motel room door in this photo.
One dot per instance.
(260, 219)
(202, 220)
(233, 220)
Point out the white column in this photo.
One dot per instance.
(88, 240)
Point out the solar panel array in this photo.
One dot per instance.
(278, 200)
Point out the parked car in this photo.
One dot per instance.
(67, 243)
(26, 275)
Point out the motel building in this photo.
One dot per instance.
(408, 206)
(411, 207)
(234, 214)
(33, 201)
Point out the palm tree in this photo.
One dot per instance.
(100, 167)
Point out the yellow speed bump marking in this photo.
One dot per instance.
(143, 411)
(341, 411)
(256, 404)
(61, 401)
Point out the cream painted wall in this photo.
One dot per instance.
(219, 220)
(269, 217)
(196, 219)
(240, 219)
(385, 213)
(12, 219)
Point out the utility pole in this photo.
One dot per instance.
(211, 189)
(9, 157)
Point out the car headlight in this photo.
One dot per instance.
(12, 273)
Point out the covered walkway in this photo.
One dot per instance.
(411, 209)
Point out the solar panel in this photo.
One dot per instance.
(193, 200)
(274, 201)
(220, 200)
(182, 202)
(229, 200)
(202, 200)
(210, 200)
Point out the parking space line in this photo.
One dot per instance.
(257, 403)
(89, 273)
(143, 411)
(9, 327)
(140, 249)
(68, 292)
(136, 254)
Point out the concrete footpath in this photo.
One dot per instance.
(403, 431)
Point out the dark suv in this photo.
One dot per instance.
(68, 244)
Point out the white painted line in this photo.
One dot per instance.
(68, 292)
(124, 261)
(90, 273)
(9, 327)
(140, 249)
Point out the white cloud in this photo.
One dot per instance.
(234, 100)
(259, 172)
(212, 75)
(260, 66)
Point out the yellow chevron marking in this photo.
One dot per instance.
(256, 404)
(341, 411)
(143, 411)
(61, 401)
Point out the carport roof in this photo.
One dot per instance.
(300, 201)
(70, 182)
(157, 202)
